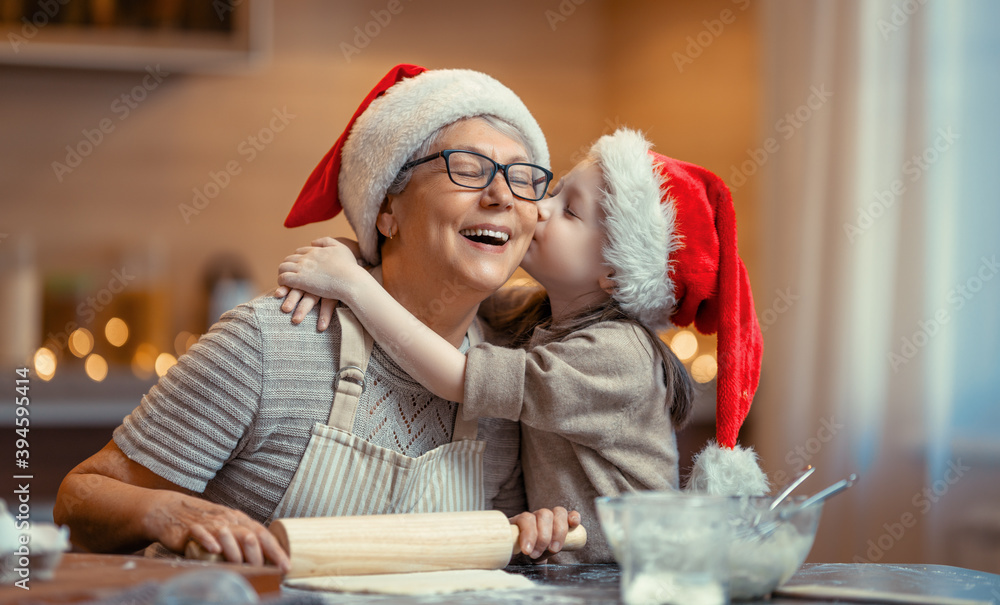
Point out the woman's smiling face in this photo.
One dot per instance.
(437, 225)
(565, 254)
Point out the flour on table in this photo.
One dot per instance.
(656, 588)
(418, 583)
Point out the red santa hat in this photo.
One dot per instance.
(409, 104)
(672, 244)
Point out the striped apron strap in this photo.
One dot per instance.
(349, 383)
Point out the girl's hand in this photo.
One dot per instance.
(174, 518)
(543, 532)
(302, 303)
(298, 299)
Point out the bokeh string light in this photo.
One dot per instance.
(116, 331)
(96, 367)
(697, 352)
(684, 345)
(704, 368)
(81, 342)
(144, 361)
(164, 361)
(183, 342)
(45, 363)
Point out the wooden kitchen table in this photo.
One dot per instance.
(86, 577)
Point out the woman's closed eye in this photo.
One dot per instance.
(470, 172)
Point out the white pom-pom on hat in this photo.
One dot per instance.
(721, 471)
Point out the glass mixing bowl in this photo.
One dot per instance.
(765, 547)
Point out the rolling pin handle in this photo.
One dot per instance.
(193, 550)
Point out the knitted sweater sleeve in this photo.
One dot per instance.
(193, 420)
(585, 387)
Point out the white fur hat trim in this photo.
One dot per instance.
(397, 123)
(720, 471)
(640, 226)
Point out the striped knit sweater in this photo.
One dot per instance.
(232, 419)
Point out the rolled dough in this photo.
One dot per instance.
(419, 583)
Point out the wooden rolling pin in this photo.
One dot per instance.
(373, 544)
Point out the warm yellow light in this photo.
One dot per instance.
(96, 367)
(45, 363)
(81, 342)
(684, 344)
(116, 331)
(144, 361)
(164, 362)
(704, 368)
(183, 342)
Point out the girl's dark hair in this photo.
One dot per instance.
(520, 324)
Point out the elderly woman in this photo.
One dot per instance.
(264, 419)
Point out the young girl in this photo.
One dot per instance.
(628, 242)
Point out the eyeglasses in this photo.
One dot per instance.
(476, 171)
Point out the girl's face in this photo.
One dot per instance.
(565, 255)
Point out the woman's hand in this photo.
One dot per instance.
(173, 518)
(114, 504)
(543, 532)
(302, 301)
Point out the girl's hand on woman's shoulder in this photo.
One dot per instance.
(307, 276)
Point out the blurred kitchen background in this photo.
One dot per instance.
(150, 151)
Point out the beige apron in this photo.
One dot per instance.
(341, 474)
